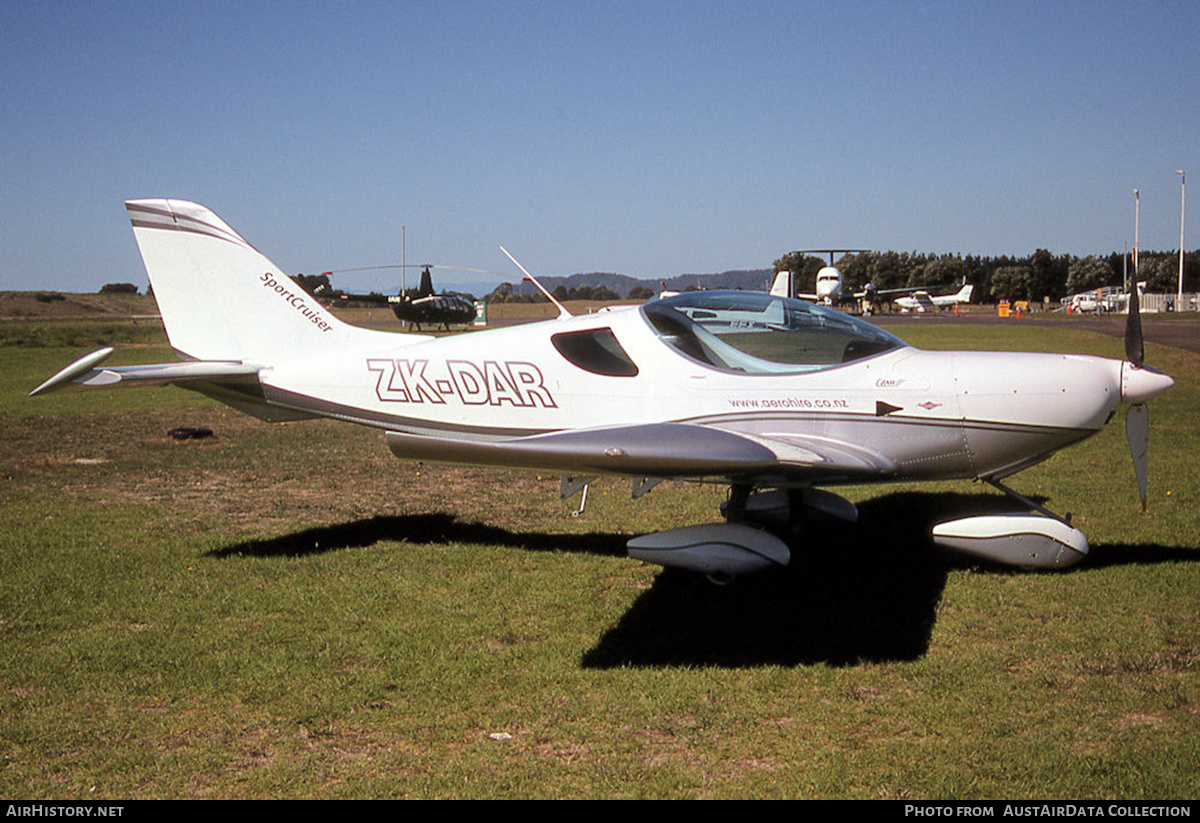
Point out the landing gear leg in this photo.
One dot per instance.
(1025, 500)
(797, 513)
(735, 507)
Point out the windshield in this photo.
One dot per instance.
(759, 333)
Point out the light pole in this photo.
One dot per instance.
(1137, 211)
(1182, 203)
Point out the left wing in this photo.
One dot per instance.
(655, 450)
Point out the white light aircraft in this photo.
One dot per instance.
(921, 301)
(775, 397)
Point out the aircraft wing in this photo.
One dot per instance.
(880, 292)
(655, 450)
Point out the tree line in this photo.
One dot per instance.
(507, 293)
(1035, 277)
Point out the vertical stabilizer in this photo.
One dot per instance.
(782, 286)
(220, 298)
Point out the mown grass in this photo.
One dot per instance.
(287, 611)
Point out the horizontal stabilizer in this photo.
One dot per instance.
(84, 372)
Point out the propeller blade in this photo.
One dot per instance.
(1137, 429)
(1135, 351)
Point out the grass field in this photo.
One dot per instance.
(288, 611)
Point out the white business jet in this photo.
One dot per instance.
(828, 287)
(773, 396)
(829, 284)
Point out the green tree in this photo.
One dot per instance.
(501, 294)
(804, 268)
(1011, 283)
(856, 270)
(1160, 273)
(1047, 275)
(890, 270)
(945, 271)
(1087, 273)
(118, 288)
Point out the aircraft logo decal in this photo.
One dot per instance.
(297, 299)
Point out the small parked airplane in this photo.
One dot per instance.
(773, 396)
(921, 301)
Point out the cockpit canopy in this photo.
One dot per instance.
(760, 333)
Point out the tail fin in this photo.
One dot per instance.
(782, 286)
(220, 298)
(964, 294)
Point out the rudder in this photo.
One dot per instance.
(220, 298)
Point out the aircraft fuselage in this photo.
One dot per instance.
(912, 414)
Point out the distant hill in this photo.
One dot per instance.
(753, 279)
(747, 279)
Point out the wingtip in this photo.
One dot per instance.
(79, 367)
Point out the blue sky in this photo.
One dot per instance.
(647, 138)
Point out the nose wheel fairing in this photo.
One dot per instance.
(1029, 541)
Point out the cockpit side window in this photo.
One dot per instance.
(597, 351)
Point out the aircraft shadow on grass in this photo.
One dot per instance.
(853, 593)
(432, 529)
